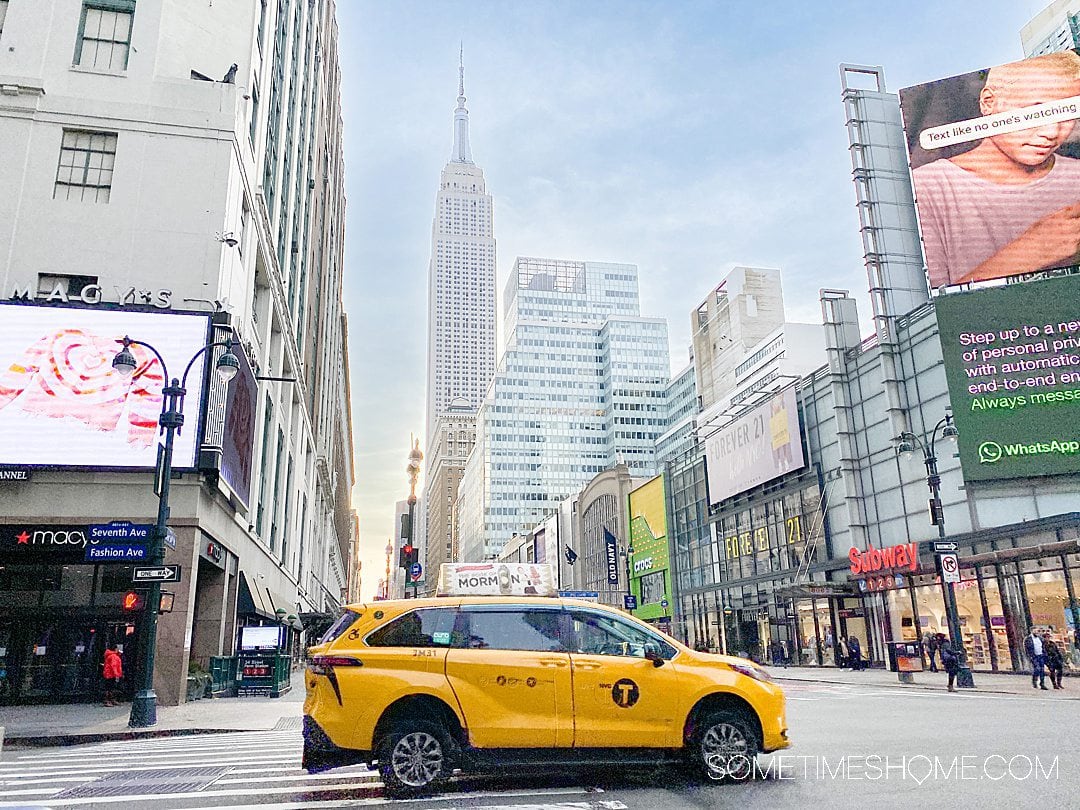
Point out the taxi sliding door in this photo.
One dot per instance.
(512, 676)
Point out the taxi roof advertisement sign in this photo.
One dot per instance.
(497, 579)
(1012, 362)
(754, 448)
(994, 158)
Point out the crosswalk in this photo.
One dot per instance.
(216, 769)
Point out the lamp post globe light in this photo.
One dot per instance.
(170, 422)
(906, 445)
(413, 469)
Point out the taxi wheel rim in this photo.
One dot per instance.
(726, 745)
(417, 758)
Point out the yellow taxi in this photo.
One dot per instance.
(420, 688)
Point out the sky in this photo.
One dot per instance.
(684, 137)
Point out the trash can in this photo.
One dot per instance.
(905, 659)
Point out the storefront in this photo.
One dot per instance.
(58, 613)
(1009, 583)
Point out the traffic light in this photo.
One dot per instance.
(133, 600)
(408, 556)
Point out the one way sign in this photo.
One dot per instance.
(156, 573)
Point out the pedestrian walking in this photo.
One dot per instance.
(930, 644)
(854, 651)
(112, 672)
(949, 659)
(1055, 662)
(1035, 650)
(840, 653)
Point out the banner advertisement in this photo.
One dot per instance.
(62, 404)
(238, 438)
(994, 160)
(496, 579)
(1012, 363)
(611, 557)
(756, 447)
(650, 563)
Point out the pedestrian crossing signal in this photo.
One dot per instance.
(133, 600)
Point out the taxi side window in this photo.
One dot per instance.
(598, 634)
(516, 629)
(431, 627)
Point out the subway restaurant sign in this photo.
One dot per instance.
(1012, 361)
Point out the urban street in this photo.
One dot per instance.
(883, 746)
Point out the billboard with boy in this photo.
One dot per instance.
(994, 161)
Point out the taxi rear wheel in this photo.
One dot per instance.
(726, 746)
(413, 756)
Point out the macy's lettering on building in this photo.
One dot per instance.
(865, 563)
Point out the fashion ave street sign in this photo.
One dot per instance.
(873, 560)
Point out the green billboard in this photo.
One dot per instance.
(1012, 362)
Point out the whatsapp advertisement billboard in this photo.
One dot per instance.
(1012, 361)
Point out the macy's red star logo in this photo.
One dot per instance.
(23, 538)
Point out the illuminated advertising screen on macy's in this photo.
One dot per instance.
(62, 404)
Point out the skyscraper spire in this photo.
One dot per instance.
(462, 153)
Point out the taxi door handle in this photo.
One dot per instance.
(553, 662)
(586, 665)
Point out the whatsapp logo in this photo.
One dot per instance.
(989, 452)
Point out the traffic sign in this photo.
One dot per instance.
(580, 594)
(415, 572)
(170, 537)
(946, 546)
(156, 573)
(629, 601)
(950, 568)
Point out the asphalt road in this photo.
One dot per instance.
(853, 747)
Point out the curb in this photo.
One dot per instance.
(60, 740)
(920, 686)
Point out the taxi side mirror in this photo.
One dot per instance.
(653, 653)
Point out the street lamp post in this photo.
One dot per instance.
(905, 447)
(389, 556)
(413, 469)
(170, 422)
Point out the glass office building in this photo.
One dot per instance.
(579, 388)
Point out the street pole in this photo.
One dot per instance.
(907, 442)
(629, 582)
(413, 469)
(964, 678)
(171, 421)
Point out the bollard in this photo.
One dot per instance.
(905, 677)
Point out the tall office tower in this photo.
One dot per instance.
(1055, 28)
(172, 171)
(579, 388)
(737, 315)
(461, 330)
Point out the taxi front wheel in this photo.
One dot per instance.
(726, 747)
(412, 756)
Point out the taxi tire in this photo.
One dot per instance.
(420, 750)
(731, 737)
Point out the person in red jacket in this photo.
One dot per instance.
(113, 672)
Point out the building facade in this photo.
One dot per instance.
(155, 171)
(461, 328)
(579, 388)
(1055, 28)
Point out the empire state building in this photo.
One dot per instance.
(461, 331)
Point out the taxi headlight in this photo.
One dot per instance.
(751, 671)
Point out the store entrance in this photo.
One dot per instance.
(59, 659)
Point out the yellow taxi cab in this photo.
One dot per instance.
(420, 688)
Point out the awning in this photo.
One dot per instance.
(253, 601)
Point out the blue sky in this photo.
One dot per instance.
(684, 137)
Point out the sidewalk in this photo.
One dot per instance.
(986, 683)
(72, 724)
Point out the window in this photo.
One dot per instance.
(3, 14)
(254, 112)
(432, 627)
(521, 629)
(343, 623)
(600, 634)
(105, 34)
(86, 166)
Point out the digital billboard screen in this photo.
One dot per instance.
(62, 404)
(994, 158)
(755, 447)
(1012, 362)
